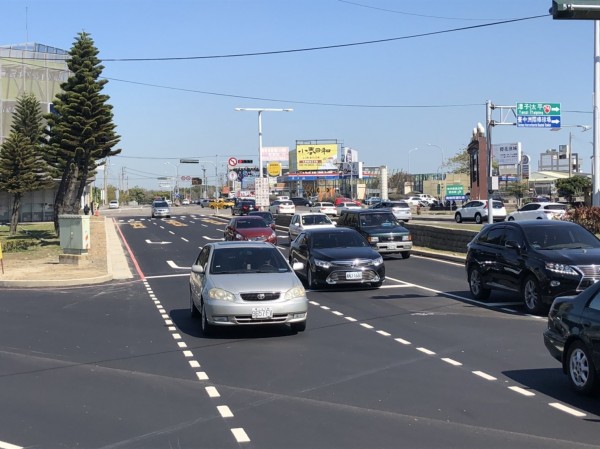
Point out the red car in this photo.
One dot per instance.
(343, 199)
(250, 228)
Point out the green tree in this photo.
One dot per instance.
(518, 190)
(573, 186)
(21, 170)
(81, 133)
(459, 163)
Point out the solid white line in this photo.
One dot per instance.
(194, 364)
(569, 410)
(522, 391)
(426, 351)
(225, 411)
(384, 333)
(398, 280)
(395, 286)
(212, 392)
(484, 375)
(452, 362)
(166, 276)
(240, 435)
(5, 445)
(201, 375)
(401, 340)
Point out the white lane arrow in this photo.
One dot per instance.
(157, 243)
(177, 267)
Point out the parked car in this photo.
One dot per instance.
(204, 202)
(161, 209)
(572, 338)
(185, 202)
(245, 283)
(539, 211)
(308, 220)
(477, 211)
(324, 207)
(250, 228)
(536, 259)
(221, 203)
(372, 200)
(400, 209)
(343, 199)
(299, 201)
(244, 207)
(426, 198)
(267, 216)
(113, 204)
(282, 207)
(346, 206)
(415, 201)
(380, 228)
(333, 256)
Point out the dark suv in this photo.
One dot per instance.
(538, 259)
(381, 229)
(299, 201)
(243, 207)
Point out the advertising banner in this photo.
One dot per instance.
(507, 153)
(317, 157)
(275, 154)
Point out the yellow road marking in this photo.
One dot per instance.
(175, 223)
(137, 225)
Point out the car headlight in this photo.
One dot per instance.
(220, 294)
(322, 263)
(561, 269)
(373, 239)
(406, 238)
(296, 292)
(377, 261)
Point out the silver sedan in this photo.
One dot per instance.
(246, 283)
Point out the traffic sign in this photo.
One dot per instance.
(232, 176)
(537, 121)
(538, 109)
(455, 190)
(232, 162)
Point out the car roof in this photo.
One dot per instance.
(244, 244)
(538, 224)
(328, 230)
(252, 217)
(366, 211)
(546, 203)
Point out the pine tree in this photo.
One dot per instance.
(20, 172)
(81, 133)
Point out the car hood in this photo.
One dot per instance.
(254, 232)
(589, 256)
(344, 253)
(318, 226)
(385, 230)
(254, 282)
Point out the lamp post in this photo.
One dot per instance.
(175, 190)
(260, 111)
(410, 151)
(440, 148)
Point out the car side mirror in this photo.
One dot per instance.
(513, 244)
(198, 269)
(298, 266)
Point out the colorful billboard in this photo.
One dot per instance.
(317, 157)
(275, 154)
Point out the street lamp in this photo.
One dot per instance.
(440, 148)
(584, 128)
(260, 111)
(410, 151)
(175, 184)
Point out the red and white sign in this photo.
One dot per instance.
(232, 162)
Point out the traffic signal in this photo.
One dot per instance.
(575, 10)
(196, 181)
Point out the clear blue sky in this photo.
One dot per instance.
(422, 90)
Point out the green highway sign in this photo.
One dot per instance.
(538, 109)
(454, 190)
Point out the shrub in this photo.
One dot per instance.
(588, 217)
(14, 245)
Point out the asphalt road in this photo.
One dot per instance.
(415, 364)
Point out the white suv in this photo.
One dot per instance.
(539, 211)
(477, 211)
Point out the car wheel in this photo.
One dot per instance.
(298, 327)
(511, 218)
(207, 328)
(193, 309)
(458, 218)
(476, 285)
(581, 369)
(530, 291)
(405, 254)
(478, 218)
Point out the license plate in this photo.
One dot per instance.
(392, 246)
(353, 274)
(261, 313)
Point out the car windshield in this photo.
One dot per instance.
(286, 203)
(245, 223)
(248, 260)
(265, 215)
(556, 238)
(338, 240)
(316, 220)
(161, 204)
(378, 220)
(247, 203)
(399, 204)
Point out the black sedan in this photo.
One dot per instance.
(244, 207)
(536, 259)
(573, 338)
(334, 256)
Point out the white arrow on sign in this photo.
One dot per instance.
(157, 243)
(555, 121)
(232, 162)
